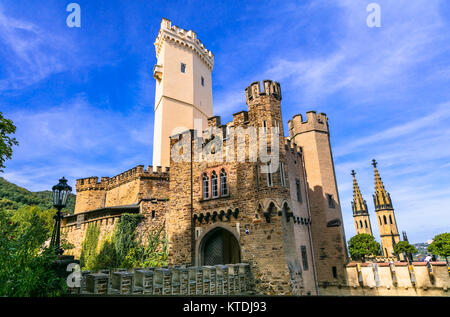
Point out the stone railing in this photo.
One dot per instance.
(230, 279)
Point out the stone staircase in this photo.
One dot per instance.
(230, 279)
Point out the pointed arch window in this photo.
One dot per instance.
(205, 181)
(365, 222)
(385, 220)
(390, 219)
(214, 185)
(360, 224)
(223, 183)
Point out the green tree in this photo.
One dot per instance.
(404, 247)
(7, 128)
(25, 264)
(363, 245)
(441, 245)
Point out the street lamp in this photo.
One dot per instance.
(60, 194)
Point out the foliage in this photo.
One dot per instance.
(7, 128)
(89, 246)
(363, 245)
(440, 245)
(25, 264)
(404, 247)
(13, 197)
(123, 249)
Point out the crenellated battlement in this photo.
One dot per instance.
(169, 32)
(92, 183)
(314, 122)
(270, 88)
(292, 147)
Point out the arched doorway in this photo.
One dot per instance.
(219, 246)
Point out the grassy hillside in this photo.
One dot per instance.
(13, 197)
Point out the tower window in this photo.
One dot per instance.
(205, 186)
(304, 257)
(360, 224)
(223, 183)
(283, 180)
(299, 193)
(269, 176)
(330, 201)
(390, 219)
(153, 214)
(214, 185)
(365, 222)
(183, 67)
(334, 269)
(385, 221)
(203, 81)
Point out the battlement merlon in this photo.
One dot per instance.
(314, 122)
(270, 88)
(169, 32)
(92, 183)
(292, 147)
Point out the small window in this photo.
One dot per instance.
(269, 176)
(283, 179)
(390, 219)
(205, 186)
(214, 185)
(183, 67)
(360, 224)
(153, 214)
(334, 272)
(203, 81)
(384, 219)
(223, 183)
(330, 201)
(365, 222)
(304, 258)
(299, 190)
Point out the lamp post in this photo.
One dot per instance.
(60, 194)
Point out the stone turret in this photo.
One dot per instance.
(360, 211)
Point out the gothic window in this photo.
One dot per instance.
(205, 186)
(365, 222)
(385, 221)
(223, 183)
(299, 193)
(356, 222)
(183, 67)
(214, 185)
(360, 224)
(390, 219)
(379, 219)
(283, 180)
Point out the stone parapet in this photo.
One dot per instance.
(230, 279)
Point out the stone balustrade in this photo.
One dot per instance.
(230, 279)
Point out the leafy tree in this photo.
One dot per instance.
(404, 247)
(441, 245)
(363, 245)
(25, 264)
(7, 128)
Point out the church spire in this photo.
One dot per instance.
(359, 205)
(381, 198)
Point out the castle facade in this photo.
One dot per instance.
(230, 192)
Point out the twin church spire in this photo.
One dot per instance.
(384, 210)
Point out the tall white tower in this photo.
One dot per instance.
(183, 86)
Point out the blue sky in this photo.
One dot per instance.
(82, 98)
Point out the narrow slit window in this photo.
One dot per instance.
(183, 67)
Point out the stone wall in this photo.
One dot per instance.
(396, 279)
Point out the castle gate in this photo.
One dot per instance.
(219, 246)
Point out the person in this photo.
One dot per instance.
(428, 258)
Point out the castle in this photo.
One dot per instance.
(220, 202)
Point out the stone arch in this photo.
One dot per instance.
(218, 236)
